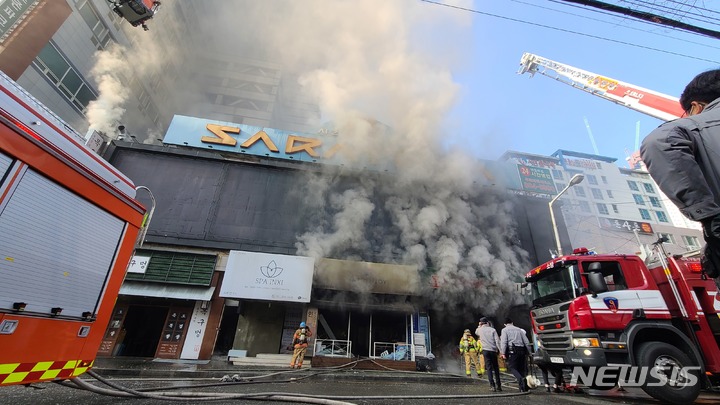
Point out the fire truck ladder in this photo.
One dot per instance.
(646, 101)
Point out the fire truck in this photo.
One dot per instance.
(646, 101)
(620, 312)
(68, 226)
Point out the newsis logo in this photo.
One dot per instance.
(635, 376)
(271, 272)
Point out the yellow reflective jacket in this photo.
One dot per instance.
(469, 344)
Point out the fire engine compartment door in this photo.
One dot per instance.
(56, 249)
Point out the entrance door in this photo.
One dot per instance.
(360, 334)
(143, 326)
(228, 328)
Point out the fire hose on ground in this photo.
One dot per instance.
(121, 391)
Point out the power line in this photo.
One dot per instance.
(671, 11)
(569, 31)
(642, 15)
(612, 23)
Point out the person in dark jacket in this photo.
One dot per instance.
(683, 157)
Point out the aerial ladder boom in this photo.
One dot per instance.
(646, 101)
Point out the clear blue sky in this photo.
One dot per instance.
(501, 110)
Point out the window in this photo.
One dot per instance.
(638, 199)
(633, 186)
(54, 66)
(691, 242)
(604, 179)
(602, 209)
(668, 236)
(661, 216)
(597, 193)
(649, 187)
(610, 270)
(579, 191)
(655, 202)
(557, 175)
(615, 208)
(592, 179)
(100, 32)
(560, 186)
(584, 206)
(645, 214)
(610, 194)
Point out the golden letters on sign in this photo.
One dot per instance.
(294, 143)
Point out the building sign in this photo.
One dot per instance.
(196, 331)
(536, 179)
(13, 13)
(366, 277)
(581, 163)
(537, 162)
(252, 140)
(268, 277)
(138, 264)
(625, 225)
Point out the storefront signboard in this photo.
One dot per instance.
(267, 276)
(196, 331)
(366, 277)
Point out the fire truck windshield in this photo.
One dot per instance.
(555, 285)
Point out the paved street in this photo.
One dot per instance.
(344, 391)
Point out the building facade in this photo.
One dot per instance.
(613, 210)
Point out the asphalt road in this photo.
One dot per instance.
(345, 392)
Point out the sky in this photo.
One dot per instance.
(499, 110)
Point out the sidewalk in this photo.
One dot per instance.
(132, 367)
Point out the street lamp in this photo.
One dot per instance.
(576, 179)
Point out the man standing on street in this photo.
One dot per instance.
(515, 347)
(683, 157)
(490, 344)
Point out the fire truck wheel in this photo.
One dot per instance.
(676, 387)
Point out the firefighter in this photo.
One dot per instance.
(470, 347)
(300, 344)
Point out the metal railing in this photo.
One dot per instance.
(392, 351)
(333, 348)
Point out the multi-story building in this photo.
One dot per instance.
(96, 71)
(613, 209)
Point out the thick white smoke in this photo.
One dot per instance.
(381, 72)
(105, 113)
(391, 61)
(114, 71)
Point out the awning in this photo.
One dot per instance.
(167, 291)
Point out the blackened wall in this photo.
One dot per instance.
(206, 200)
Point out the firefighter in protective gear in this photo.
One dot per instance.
(470, 348)
(300, 344)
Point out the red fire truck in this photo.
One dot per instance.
(618, 312)
(68, 226)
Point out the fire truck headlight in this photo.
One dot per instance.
(586, 342)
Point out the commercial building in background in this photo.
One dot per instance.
(613, 210)
(50, 48)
